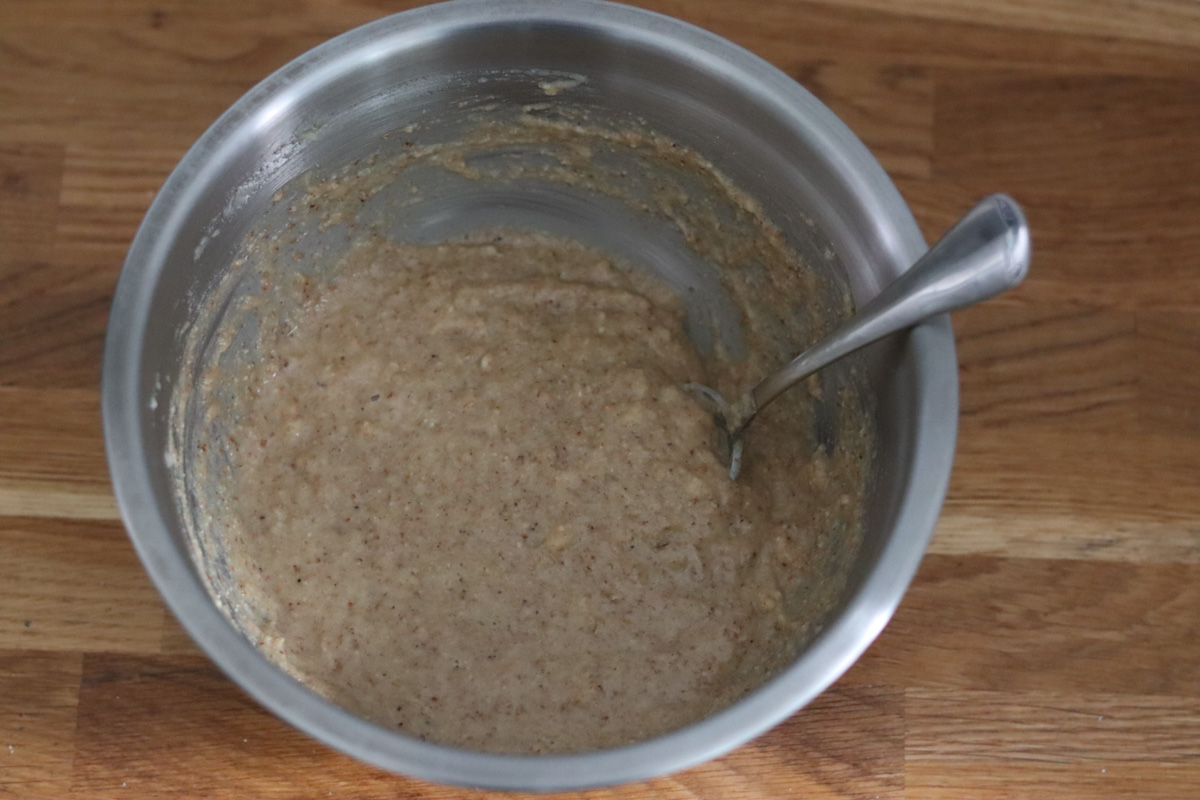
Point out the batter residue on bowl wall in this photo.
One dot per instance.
(462, 493)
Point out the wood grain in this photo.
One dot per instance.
(39, 693)
(51, 446)
(1168, 359)
(787, 31)
(30, 180)
(1162, 21)
(1065, 509)
(1015, 625)
(1105, 169)
(1083, 745)
(1049, 646)
(75, 586)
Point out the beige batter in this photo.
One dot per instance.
(459, 490)
(469, 500)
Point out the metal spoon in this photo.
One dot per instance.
(984, 254)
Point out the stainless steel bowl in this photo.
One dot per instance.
(771, 137)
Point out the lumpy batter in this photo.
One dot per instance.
(459, 490)
(471, 501)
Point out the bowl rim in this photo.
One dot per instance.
(930, 347)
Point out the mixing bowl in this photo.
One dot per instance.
(408, 76)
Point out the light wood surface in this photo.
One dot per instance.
(1050, 645)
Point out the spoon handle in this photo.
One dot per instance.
(985, 253)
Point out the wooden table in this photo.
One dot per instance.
(1050, 645)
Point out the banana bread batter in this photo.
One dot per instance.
(468, 499)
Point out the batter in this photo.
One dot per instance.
(458, 488)
(469, 500)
